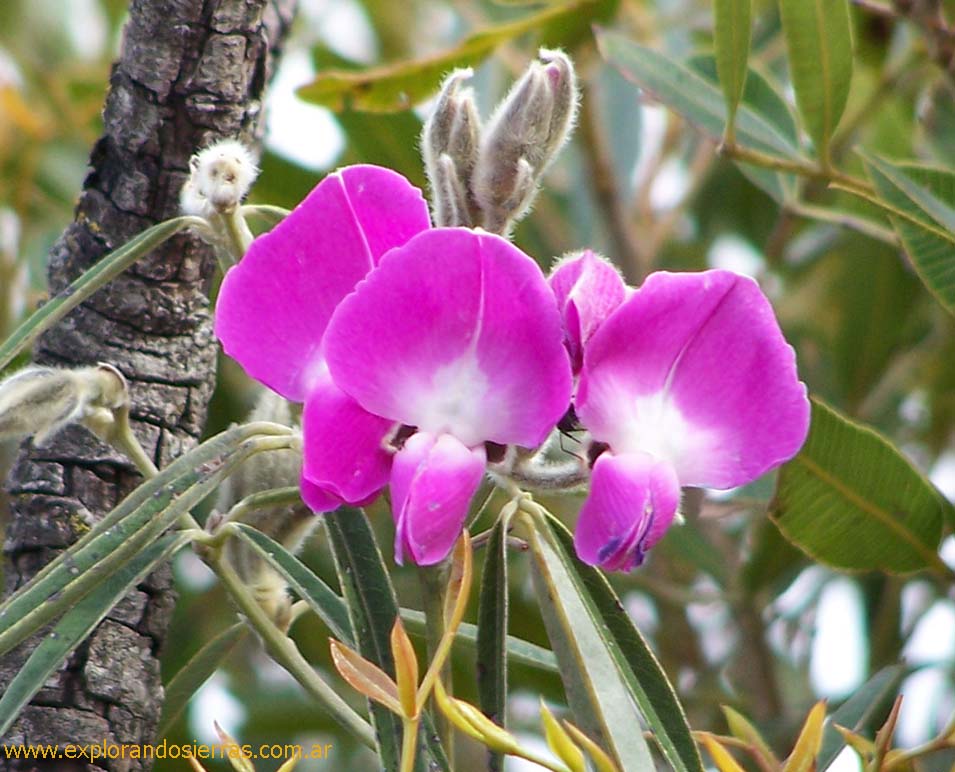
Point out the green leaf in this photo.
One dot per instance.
(852, 501)
(401, 85)
(607, 667)
(138, 521)
(372, 608)
(519, 651)
(693, 96)
(763, 98)
(196, 672)
(923, 200)
(321, 598)
(731, 35)
(819, 40)
(858, 711)
(492, 633)
(103, 272)
(77, 624)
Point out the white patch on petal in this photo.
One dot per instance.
(451, 403)
(650, 423)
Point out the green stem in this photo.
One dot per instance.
(284, 651)
(802, 168)
(126, 442)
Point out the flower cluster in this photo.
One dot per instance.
(422, 355)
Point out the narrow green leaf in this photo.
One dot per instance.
(921, 202)
(77, 624)
(852, 501)
(142, 518)
(731, 35)
(858, 711)
(607, 667)
(492, 633)
(372, 608)
(196, 672)
(321, 598)
(819, 39)
(693, 96)
(402, 85)
(103, 272)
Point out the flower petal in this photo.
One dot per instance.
(345, 454)
(633, 498)
(588, 288)
(456, 332)
(318, 499)
(694, 369)
(274, 305)
(432, 483)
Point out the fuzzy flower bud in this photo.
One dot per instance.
(525, 133)
(40, 401)
(220, 177)
(288, 524)
(449, 143)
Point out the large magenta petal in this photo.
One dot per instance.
(345, 454)
(588, 288)
(693, 369)
(633, 498)
(274, 305)
(456, 332)
(432, 483)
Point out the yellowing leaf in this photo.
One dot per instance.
(365, 677)
(803, 757)
(861, 745)
(406, 669)
(743, 730)
(721, 757)
(400, 86)
(459, 582)
(234, 751)
(602, 762)
(560, 742)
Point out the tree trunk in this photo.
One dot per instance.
(190, 72)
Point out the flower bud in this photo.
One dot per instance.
(288, 524)
(449, 143)
(523, 136)
(220, 177)
(40, 401)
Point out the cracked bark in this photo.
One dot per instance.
(189, 72)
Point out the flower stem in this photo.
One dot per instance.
(409, 743)
(433, 581)
(284, 651)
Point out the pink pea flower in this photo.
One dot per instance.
(689, 382)
(588, 288)
(275, 305)
(455, 340)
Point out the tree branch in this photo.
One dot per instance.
(189, 73)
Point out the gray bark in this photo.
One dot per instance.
(190, 72)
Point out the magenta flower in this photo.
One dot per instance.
(588, 288)
(455, 340)
(274, 306)
(689, 382)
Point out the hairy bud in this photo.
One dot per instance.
(289, 524)
(220, 177)
(525, 133)
(449, 143)
(40, 401)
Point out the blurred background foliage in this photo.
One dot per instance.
(737, 614)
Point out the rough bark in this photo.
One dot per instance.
(190, 71)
